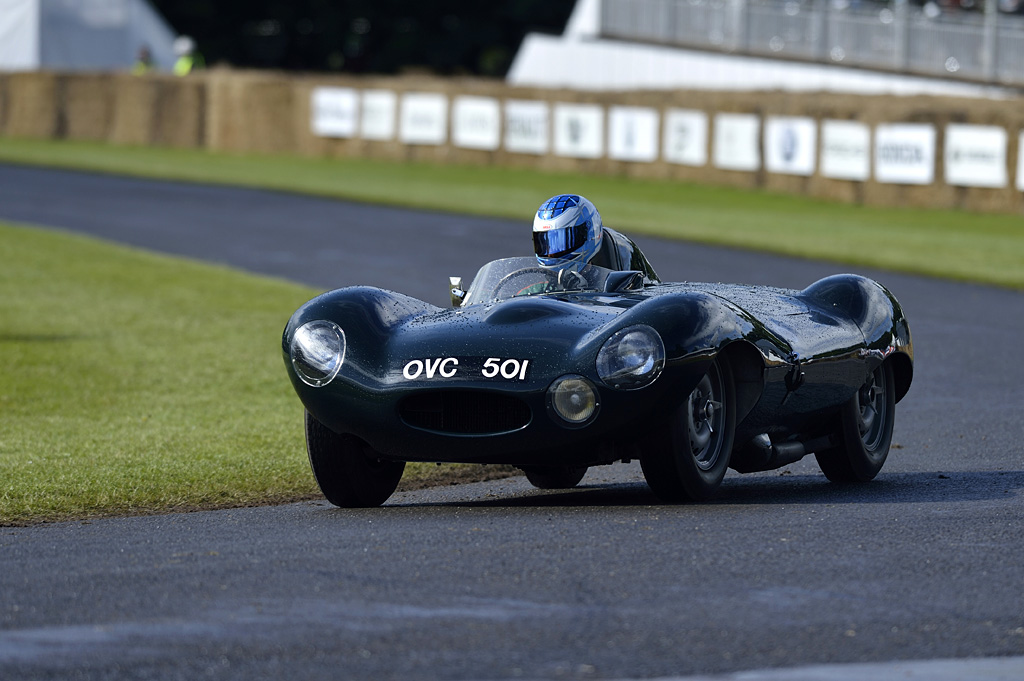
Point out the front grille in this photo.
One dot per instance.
(464, 412)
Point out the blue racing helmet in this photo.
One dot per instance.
(567, 231)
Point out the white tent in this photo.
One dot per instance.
(81, 35)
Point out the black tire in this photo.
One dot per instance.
(686, 459)
(349, 473)
(555, 477)
(865, 431)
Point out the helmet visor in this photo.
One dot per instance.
(554, 243)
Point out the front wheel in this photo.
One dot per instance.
(348, 471)
(865, 431)
(555, 477)
(686, 459)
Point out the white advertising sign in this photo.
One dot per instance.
(633, 133)
(686, 137)
(1020, 162)
(334, 112)
(579, 130)
(845, 150)
(790, 145)
(975, 156)
(736, 141)
(526, 127)
(424, 118)
(905, 153)
(476, 122)
(378, 120)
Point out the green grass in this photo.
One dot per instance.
(138, 383)
(133, 382)
(964, 246)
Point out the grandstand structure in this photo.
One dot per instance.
(855, 46)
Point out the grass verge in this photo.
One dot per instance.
(139, 383)
(964, 246)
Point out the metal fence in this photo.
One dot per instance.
(898, 37)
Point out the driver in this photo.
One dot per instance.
(568, 235)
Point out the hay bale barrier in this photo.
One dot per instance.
(32, 107)
(469, 121)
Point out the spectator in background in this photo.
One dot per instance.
(143, 62)
(188, 58)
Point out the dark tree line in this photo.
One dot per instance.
(364, 36)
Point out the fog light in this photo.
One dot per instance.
(574, 399)
(318, 350)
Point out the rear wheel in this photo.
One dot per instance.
(865, 431)
(686, 459)
(555, 477)
(348, 471)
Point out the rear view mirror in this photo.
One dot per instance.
(456, 291)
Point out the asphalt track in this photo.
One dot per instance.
(917, 575)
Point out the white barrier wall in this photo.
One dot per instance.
(975, 156)
(334, 112)
(846, 150)
(898, 153)
(378, 120)
(790, 145)
(905, 153)
(579, 130)
(1020, 163)
(526, 127)
(476, 123)
(633, 134)
(735, 142)
(686, 137)
(423, 118)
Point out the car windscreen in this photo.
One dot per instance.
(511, 277)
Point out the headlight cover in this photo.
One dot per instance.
(632, 358)
(574, 400)
(318, 350)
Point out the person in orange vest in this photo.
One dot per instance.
(188, 58)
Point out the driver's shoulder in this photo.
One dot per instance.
(621, 253)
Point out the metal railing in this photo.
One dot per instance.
(927, 41)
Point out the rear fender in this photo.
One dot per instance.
(875, 310)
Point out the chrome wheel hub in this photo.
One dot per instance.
(704, 413)
(871, 420)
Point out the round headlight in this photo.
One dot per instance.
(317, 350)
(632, 358)
(574, 399)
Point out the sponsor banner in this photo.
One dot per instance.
(378, 120)
(526, 126)
(975, 156)
(579, 130)
(1020, 162)
(334, 112)
(845, 150)
(476, 123)
(686, 137)
(424, 118)
(633, 133)
(736, 141)
(905, 153)
(790, 145)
